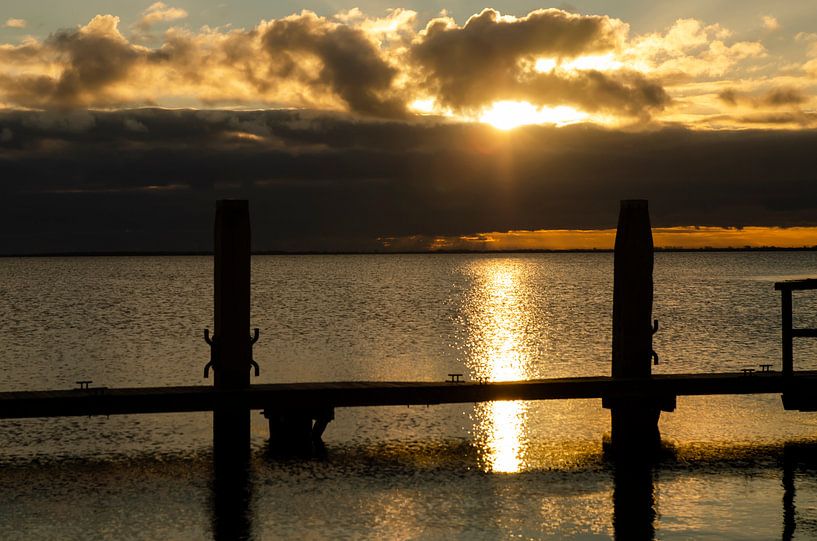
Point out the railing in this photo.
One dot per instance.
(788, 330)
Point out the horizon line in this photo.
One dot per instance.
(171, 253)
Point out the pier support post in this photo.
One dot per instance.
(634, 421)
(232, 359)
(786, 326)
(298, 431)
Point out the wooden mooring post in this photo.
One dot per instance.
(231, 345)
(634, 421)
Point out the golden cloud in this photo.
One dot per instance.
(160, 12)
(386, 67)
(15, 23)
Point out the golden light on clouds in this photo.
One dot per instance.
(603, 239)
(603, 62)
(15, 23)
(423, 106)
(506, 115)
(546, 67)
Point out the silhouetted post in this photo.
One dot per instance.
(633, 502)
(231, 501)
(789, 510)
(634, 426)
(786, 325)
(232, 361)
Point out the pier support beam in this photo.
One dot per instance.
(231, 340)
(298, 432)
(634, 421)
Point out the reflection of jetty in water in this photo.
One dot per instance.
(636, 486)
(637, 491)
(798, 459)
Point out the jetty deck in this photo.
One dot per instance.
(284, 396)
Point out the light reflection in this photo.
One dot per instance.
(603, 62)
(497, 321)
(506, 115)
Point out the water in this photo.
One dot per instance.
(739, 467)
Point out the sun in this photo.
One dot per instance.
(506, 115)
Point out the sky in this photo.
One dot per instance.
(375, 126)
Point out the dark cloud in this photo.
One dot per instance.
(729, 96)
(785, 96)
(776, 97)
(804, 119)
(304, 55)
(626, 93)
(491, 58)
(94, 57)
(350, 64)
(318, 181)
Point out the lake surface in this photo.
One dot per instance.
(736, 467)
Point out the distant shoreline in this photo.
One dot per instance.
(414, 252)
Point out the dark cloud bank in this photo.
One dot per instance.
(147, 179)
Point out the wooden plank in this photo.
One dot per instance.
(807, 333)
(360, 394)
(790, 285)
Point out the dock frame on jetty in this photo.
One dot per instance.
(299, 412)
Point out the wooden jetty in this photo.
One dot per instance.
(662, 389)
(298, 413)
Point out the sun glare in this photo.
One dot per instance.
(500, 353)
(424, 107)
(603, 62)
(506, 115)
(545, 65)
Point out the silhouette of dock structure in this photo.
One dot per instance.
(661, 388)
(298, 413)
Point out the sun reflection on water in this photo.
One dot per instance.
(497, 321)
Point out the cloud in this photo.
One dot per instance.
(15, 23)
(93, 59)
(397, 27)
(378, 67)
(334, 56)
(810, 39)
(770, 23)
(159, 12)
(490, 59)
(787, 119)
(784, 96)
(146, 179)
(303, 61)
(776, 97)
(690, 49)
